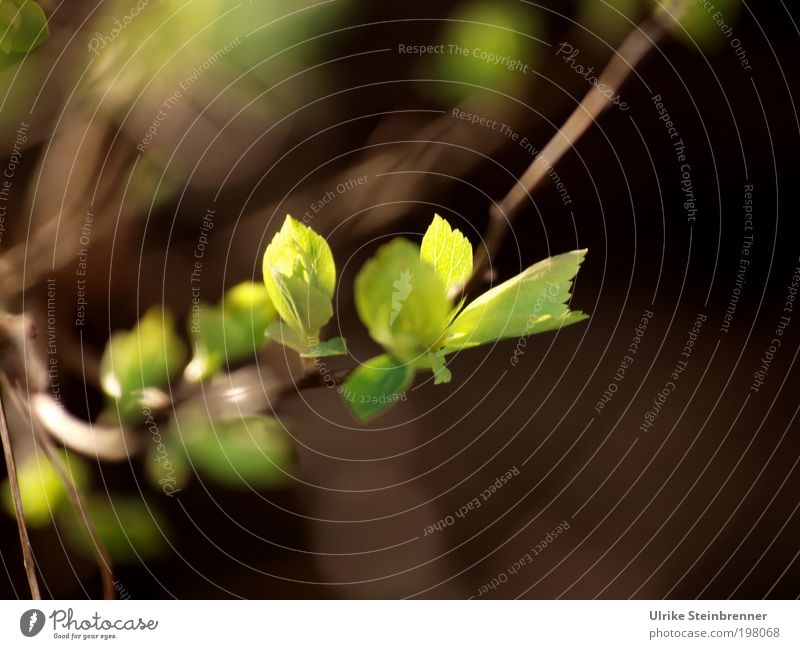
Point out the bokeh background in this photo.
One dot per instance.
(278, 103)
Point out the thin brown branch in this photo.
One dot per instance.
(27, 550)
(101, 552)
(310, 380)
(501, 215)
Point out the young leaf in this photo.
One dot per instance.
(448, 251)
(41, 488)
(230, 332)
(27, 26)
(130, 529)
(149, 355)
(376, 385)
(251, 451)
(332, 347)
(283, 335)
(401, 300)
(440, 372)
(532, 302)
(300, 277)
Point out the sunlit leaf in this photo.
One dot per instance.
(401, 300)
(534, 301)
(300, 277)
(232, 331)
(448, 251)
(148, 356)
(282, 334)
(332, 347)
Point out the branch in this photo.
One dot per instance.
(501, 215)
(25, 542)
(101, 552)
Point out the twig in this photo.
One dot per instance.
(101, 552)
(312, 379)
(501, 215)
(27, 551)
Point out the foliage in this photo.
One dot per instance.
(41, 490)
(23, 26)
(403, 296)
(300, 277)
(407, 296)
(235, 452)
(130, 528)
(148, 356)
(231, 331)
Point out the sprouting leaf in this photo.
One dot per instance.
(40, 487)
(23, 26)
(148, 356)
(252, 451)
(376, 385)
(532, 302)
(332, 347)
(207, 330)
(250, 300)
(401, 300)
(166, 464)
(129, 527)
(448, 251)
(440, 372)
(300, 277)
(231, 331)
(283, 335)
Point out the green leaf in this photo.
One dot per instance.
(532, 302)
(232, 331)
(251, 451)
(448, 251)
(376, 385)
(300, 277)
(148, 356)
(41, 490)
(283, 335)
(440, 372)
(129, 528)
(332, 347)
(27, 26)
(401, 300)
(166, 464)
(10, 17)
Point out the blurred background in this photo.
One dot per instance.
(137, 134)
